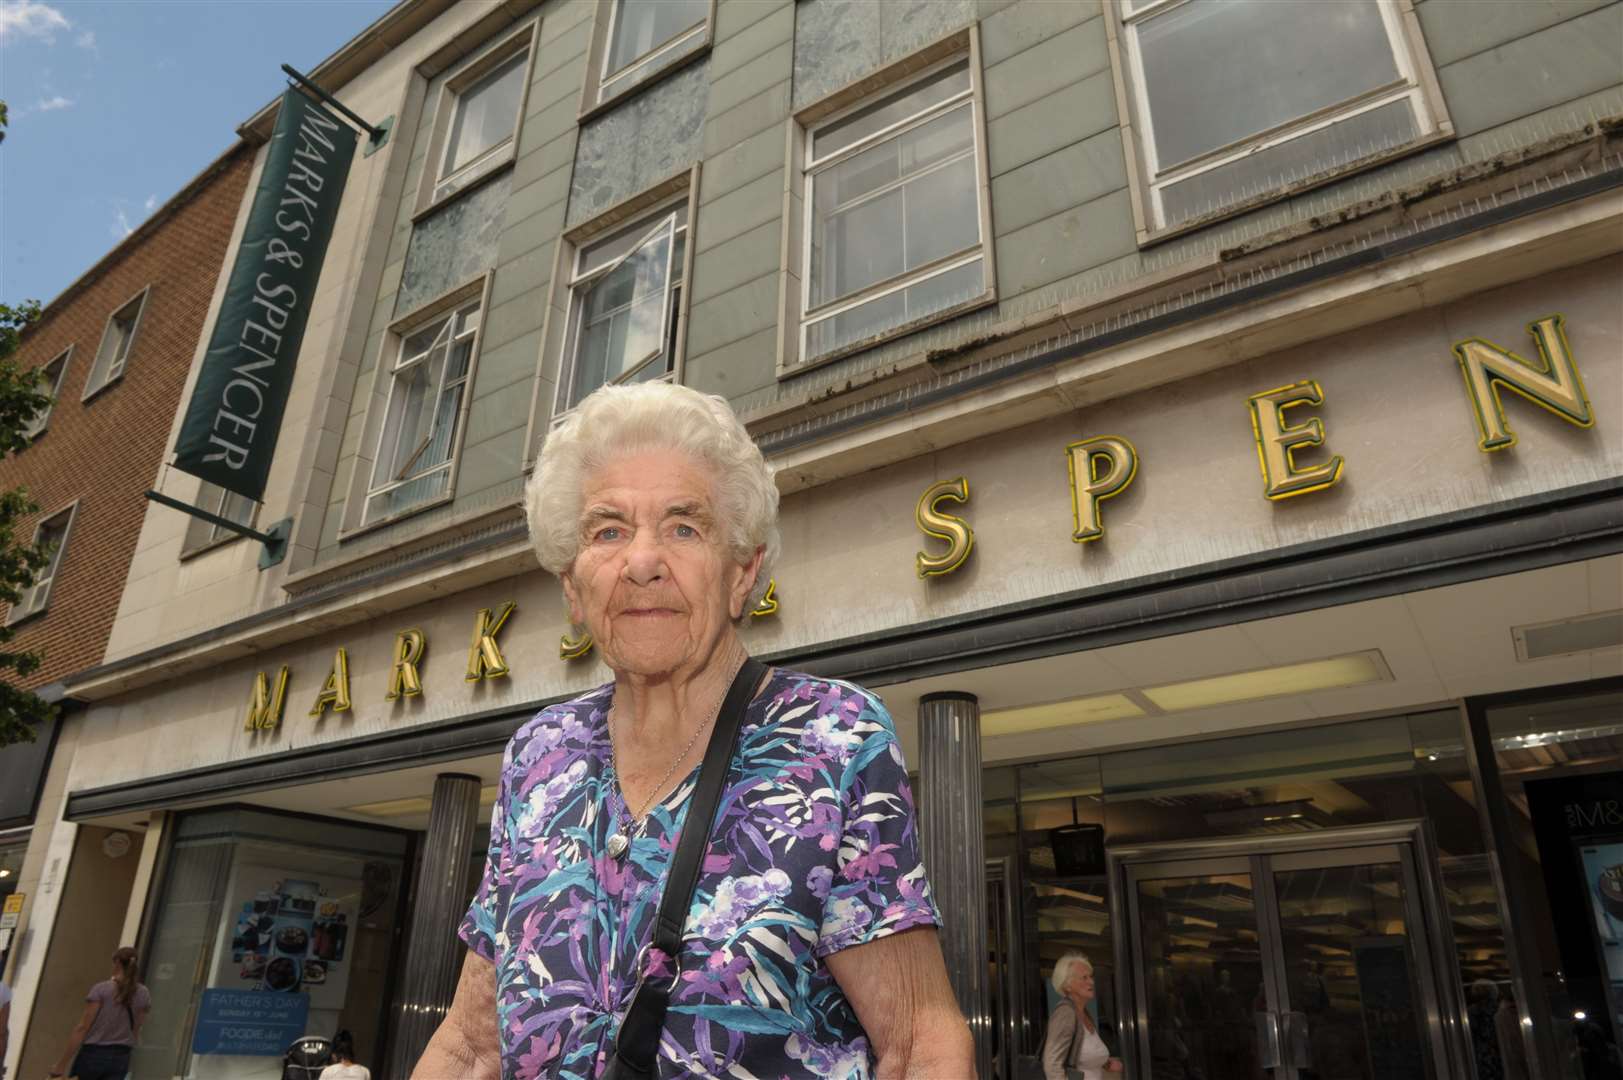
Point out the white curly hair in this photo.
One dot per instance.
(655, 416)
(1069, 965)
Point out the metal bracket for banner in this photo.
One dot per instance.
(377, 132)
(274, 539)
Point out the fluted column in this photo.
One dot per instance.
(428, 978)
(950, 833)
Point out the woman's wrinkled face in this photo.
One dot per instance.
(654, 582)
(1080, 984)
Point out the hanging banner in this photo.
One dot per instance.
(229, 434)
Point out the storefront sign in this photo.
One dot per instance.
(12, 912)
(255, 1023)
(235, 414)
(937, 523)
(1553, 385)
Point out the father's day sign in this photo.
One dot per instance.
(249, 1022)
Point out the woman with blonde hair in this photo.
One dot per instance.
(1074, 1049)
(115, 1009)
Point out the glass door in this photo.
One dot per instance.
(1283, 965)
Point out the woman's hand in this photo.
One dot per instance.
(1113, 1065)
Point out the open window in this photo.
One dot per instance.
(624, 307)
(1237, 102)
(637, 39)
(53, 533)
(117, 339)
(55, 371)
(424, 413)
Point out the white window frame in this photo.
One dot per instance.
(106, 369)
(203, 535)
(433, 191)
(795, 290)
(1416, 82)
(677, 212)
(37, 597)
(604, 88)
(37, 427)
(454, 319)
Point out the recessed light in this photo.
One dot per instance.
(1088, 710)
(1335, 673)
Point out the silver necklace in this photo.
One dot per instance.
(620, 842)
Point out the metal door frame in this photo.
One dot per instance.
(1431, 930)
(1000, 875)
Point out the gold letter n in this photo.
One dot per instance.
(1554, 386)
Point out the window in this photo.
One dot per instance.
(1239, 100)
(646, 36)
(479, 114)
(116, 342)
(625, 304)
(894, 200)
(423, 418)
(53, 533)
(54, 371)
(202, 535)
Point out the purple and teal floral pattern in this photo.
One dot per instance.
(815, 849)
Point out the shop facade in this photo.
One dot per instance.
(1204, 563)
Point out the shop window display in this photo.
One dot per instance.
(269, 927)
(1560, 762)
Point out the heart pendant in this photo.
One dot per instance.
(617, 845)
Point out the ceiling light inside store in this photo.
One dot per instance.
(1089, 710)
(1335, 673)
(414, 805)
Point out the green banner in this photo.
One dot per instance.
(229, 434)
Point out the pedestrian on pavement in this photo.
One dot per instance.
(115, 1008)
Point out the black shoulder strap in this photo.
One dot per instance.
(637, 1044)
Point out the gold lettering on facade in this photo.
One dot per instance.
(1555, 385)
(1278, 442)
(335, 691)
(1101, 468)
(403, 676)
(769, 601)
(933, 522)
(573, 648)
(485, 659)
(264, 707)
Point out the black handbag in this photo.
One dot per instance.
(636, 1046)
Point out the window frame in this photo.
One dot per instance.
(677, 194)
(596, 96)
(357, 520)
(1416, 82)
(499, 155)
(795, 274)
(38, 594)
(43, 420)
(202, 536)
(109, 377)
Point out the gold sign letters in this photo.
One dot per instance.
(769, 601)
(485, 660)
(1100, 468)
(335, 691)
(955, 531)
(403, 676)
(264, 707)
(1555, 385)
(1277, 441)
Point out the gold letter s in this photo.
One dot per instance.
(955, 531)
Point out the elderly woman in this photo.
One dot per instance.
(809, 948)
(1073, 1048)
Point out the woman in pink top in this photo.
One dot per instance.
(115, 1009)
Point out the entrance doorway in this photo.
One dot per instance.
(1308, 957)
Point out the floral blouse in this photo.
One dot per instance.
(815, 849)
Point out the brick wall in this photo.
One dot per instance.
(106, 452)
